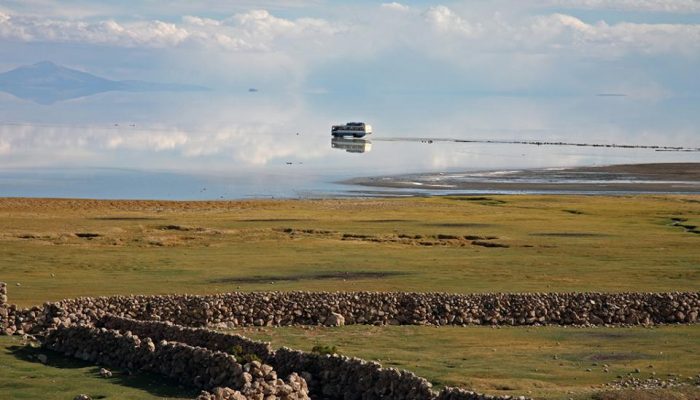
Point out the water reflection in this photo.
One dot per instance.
(276, 144)
(47, 83)
(351, 145)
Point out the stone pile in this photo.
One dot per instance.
(195, 366)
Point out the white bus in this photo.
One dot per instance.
(356, 129)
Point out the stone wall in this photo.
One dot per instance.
(3, 307)
(313, 308)
(194, 366)
(346, 378)
(200, 337)
(69, 325)
(376, 308)
(451, 393)
(3, 294)
(328, 376)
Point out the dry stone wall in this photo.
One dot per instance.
(3, 294)
(312, 308)
(328, 376)
(4, 323)
(195, 366)
(200, 337)
(375, 308)
(451, 393)
(346, 378)
(172, 350)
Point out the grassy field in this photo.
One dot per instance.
(557, 243)
(23, 377)
(544, 362)
(66, 248)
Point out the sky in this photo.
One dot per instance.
(505, 69)
(643, 48)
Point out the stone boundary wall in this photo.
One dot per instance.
(380, 308)
(451, 393)
(372, 308)
(3, 294)
(375, 308)
(3, 307)
(328, 376)
(334, 375)
(199, 337)
(195, 366)
(346, 378)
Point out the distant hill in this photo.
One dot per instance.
(47, 83)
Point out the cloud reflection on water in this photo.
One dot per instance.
(286, 134)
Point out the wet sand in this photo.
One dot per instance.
(614, 179)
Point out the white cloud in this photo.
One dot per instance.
(671, 6)
(198, 21)
(395, 6)
(559, 31)
(145, 140)
(139, 34)
(445, 20)
(253, 30)
(464, 46)
(259, 30)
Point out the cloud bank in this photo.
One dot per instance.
(260, 30)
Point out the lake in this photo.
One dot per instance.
(239, 144)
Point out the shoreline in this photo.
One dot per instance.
(660, 178)
(612, 180)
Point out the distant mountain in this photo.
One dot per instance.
(47, 83)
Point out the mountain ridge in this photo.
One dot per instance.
(46, 83)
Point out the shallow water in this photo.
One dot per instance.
(215, 145)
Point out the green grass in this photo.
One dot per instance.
(615, 244)
(23, 377)
(556, 243)
(545, 362)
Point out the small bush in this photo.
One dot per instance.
(324, 349)
(250, 357)
(237, 351)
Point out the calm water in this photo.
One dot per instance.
(214, 145)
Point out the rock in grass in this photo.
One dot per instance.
(335, 319)
(82, 397)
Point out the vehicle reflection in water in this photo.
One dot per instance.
(351, 145)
